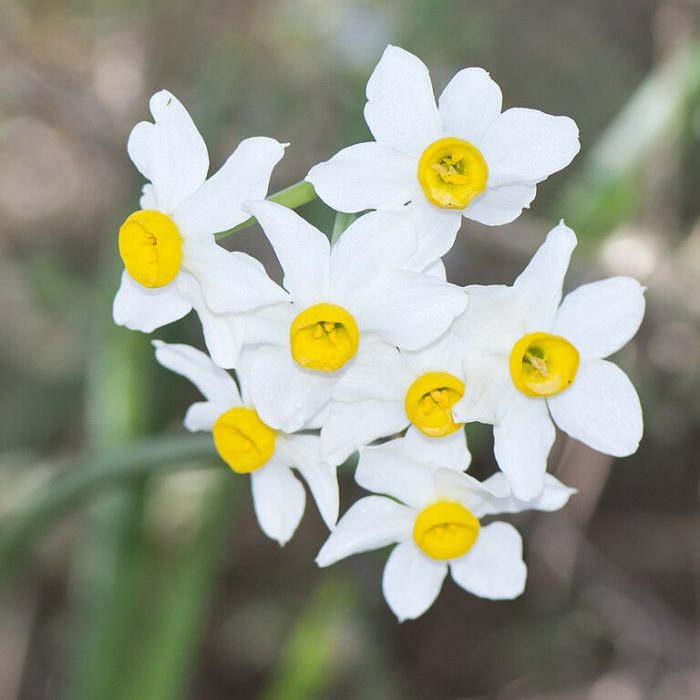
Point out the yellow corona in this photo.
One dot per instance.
(542, 364)
(242, 440)
(151, 248)
(445, 530)
(429, 401)
(323, 337)
(452, 172)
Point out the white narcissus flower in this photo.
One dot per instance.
(347, 301)
(462, 158)
(249, 446)
(433, 515)
(172, 261)
(533, 361)
(393, 390)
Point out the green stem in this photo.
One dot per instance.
(293, 197)
(342, 221)
(93, 473)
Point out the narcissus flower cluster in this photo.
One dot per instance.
(366, 347)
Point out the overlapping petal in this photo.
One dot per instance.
(370, 523)
(409, 309)
(303, 251)
(231, 282)
(218, 204)
(284, 394)
(214, 383)
(523, 438)
(366, 176)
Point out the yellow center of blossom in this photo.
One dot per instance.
(543, 365)
(151, 248)
(445, 530)
(242, 440)
(429, 402)
(323, 337)
(452, 172)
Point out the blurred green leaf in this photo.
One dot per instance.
(93, 474)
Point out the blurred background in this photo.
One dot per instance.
(132, 567)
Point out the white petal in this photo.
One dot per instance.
(601, 408)
(453, 485)
(269, 325)
(218, 204)
(400, 109)
(284, 394)
(436, 232)
(450, 451)
(370, 523)
(352, 426)
(375, 243)
(470, 102)
(600, 318)
(304, 453)
(377, 371)
(409, 309)
(303, 251)
(170, 153)
(143, 309)
(279, 500)
(494, 320)
(500, 500)
(522, 441)
(231, 282)
(202, 416)
(214, 383)
(411, 581)
(366, 176)
(488, 389)
(525, 146)
(442, 355)
(501, 205)
(148, 197)
(391, 470)
(223, 336)
(539, 286)
(493, 568)
(223, 333)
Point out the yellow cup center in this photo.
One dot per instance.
(452, 172)
(429, 401)
(543, 365)
(242, 440)
(151, 248)
(445, 530)
(323, 337)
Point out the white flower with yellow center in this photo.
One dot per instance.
(249, 446)
(347, 301)
(394, 390)
(462, 158)
(533, 361)
(433, 515)
(172, 261)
